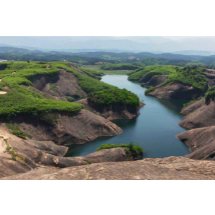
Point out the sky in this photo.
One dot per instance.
(178, 37)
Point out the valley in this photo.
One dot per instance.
(57, 114)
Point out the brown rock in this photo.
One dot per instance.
(172, 168)
(69, 129)
(108, 155)
(176, 91)
(201, 142)
(114, 111)
(155, 81)
(203, 116)
(192, 107)
(59, 86)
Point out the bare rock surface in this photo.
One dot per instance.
(212, 71)
(108, 155)
(176, 91)
(171, 168)
(19, 156)
(60, 86)
(114, 111)
(192, 107)
(155, 81)
(203, 116)
(70, 129)
(201, 142)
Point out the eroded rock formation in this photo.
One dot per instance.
(155, 81)
(20, 156)
(176, 91)
(203, 115)
(201, 142)
(69, 129)
(114, 111)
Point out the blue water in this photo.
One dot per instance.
(155, 129)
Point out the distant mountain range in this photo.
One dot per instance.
(204, 46)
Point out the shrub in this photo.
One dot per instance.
(136, 151)
(210, 95)
(113, 96)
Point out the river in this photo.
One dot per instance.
(155, 129)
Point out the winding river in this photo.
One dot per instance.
(155, 129)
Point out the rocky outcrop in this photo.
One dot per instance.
(109, 155)
(176, 91)
(211, 79)
(19, 156)
(155, 81)
(61, 86)
(172, 168)
(203, 115)
(112, 112)
(212, 71)
(192, 107)
(69, 129)
(201, 142)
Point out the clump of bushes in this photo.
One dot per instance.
(136, 151)
(150, 71)
(190, 75)
(210, 95)
(113, 96)
(120, 66)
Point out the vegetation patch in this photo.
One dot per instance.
(70, 98)
(16, 131)
(190, 75)
(210, 95)
(120, 66)
(113, 96)
(102, 93)
(151, 71)
(135, 150)
(14, 155)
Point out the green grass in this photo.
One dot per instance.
(188, 75)
(150, 71)
(20, 99)
(97, 71)
(135, 150)
(113, 96)
(210, 95)
(101, 93)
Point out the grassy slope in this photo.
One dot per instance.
(20, 100)
(154, 70)
(188, 75)
(97, 69)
